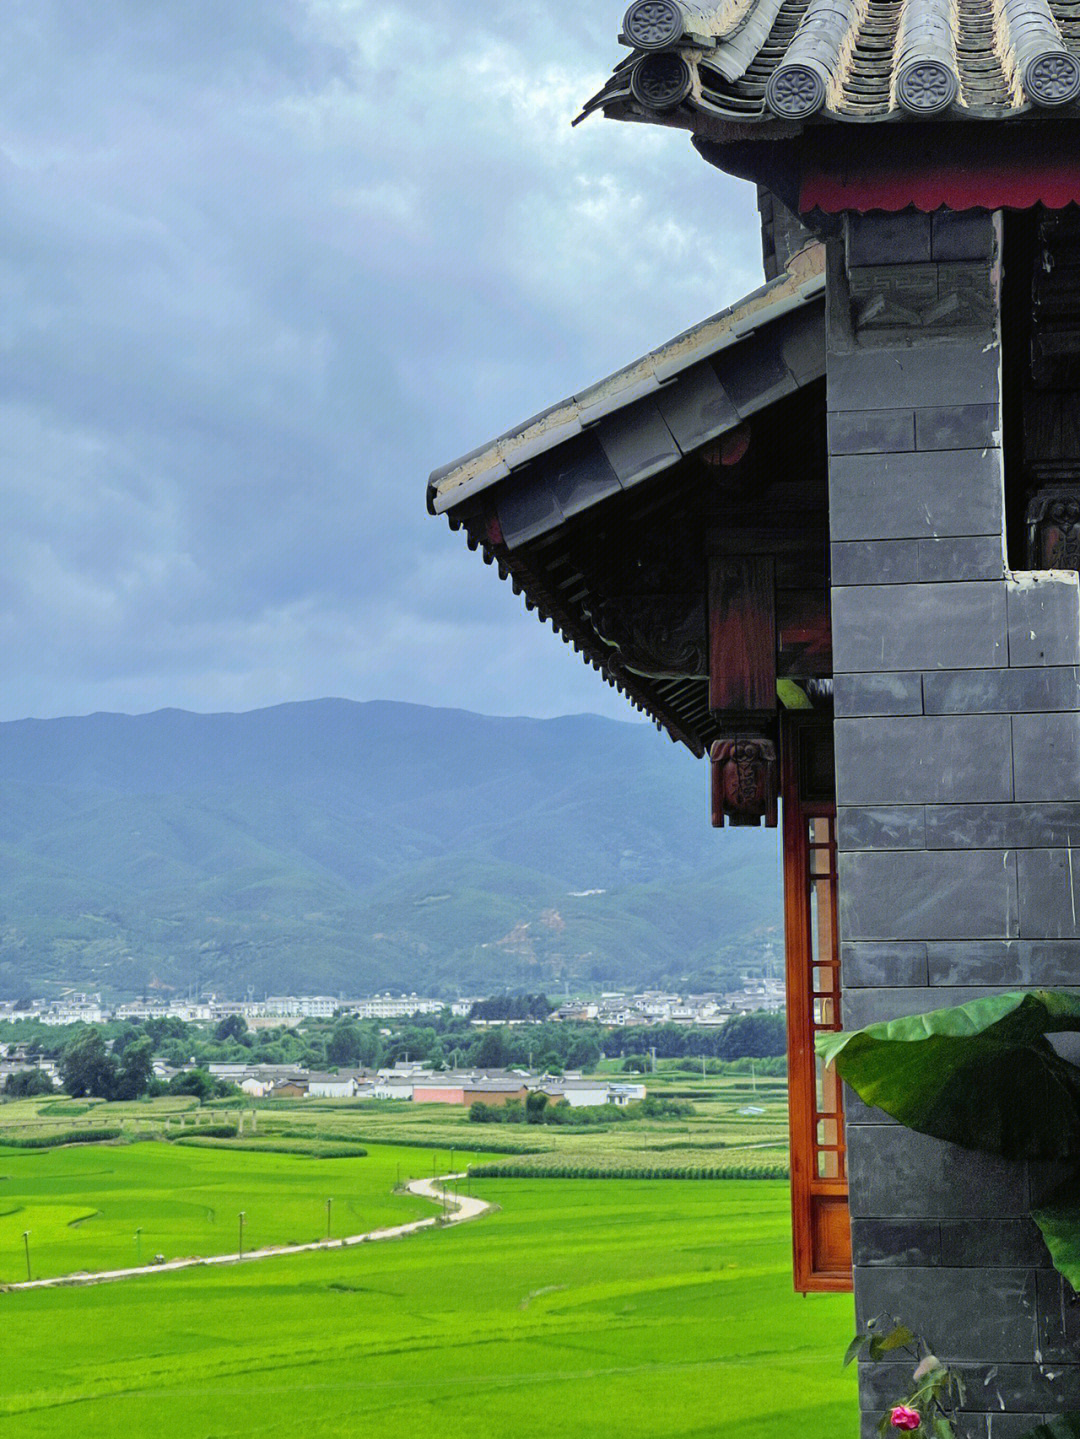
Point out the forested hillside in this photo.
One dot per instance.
(333, 846)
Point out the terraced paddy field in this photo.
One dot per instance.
(646, 1309)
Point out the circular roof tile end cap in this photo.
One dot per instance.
(654, 24)
(1052, 78)
(927, 87)
(661, 82)
(795, 91)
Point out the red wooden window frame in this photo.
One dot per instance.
(821, 1228)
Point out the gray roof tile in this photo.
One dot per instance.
(781, 61)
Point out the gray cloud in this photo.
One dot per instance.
(262, 266)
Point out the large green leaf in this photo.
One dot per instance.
(981, 1074)
(1059, 1220)
(1064, 1426)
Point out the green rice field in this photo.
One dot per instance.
(640, 1307)
(646, 1309)
(107, 1206)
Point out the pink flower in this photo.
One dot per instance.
(903, 1418)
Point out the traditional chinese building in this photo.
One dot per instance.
(829, 540)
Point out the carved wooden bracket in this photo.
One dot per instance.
(659, 636)
(745, 781)
(1053, 527)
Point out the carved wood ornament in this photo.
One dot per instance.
(660, 636)
(1053, 524)
(745, 782)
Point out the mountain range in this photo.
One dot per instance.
(331, 846)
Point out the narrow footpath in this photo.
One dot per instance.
(459, 1210)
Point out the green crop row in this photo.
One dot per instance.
(501, 1170)
(52, 1141)
(312, 1149)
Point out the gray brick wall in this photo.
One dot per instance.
(958, 784)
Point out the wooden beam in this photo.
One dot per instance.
(742, 635)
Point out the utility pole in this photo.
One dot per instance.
(26, 1242)
(138, 1244)
(240, 1251)
(329, 1202)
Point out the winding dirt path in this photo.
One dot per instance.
(459, 1210)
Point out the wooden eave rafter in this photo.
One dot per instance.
(571, 573)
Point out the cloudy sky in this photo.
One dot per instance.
(263, 265)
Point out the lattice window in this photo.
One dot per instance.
(820, 1222)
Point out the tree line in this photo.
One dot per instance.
(113, 1061)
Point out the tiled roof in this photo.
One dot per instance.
(800, 287)
(710, 66)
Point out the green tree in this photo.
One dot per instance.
(344, 1045)
(194, 1081)
(492, 1051)
(584, 1053)
(535, 1104)
(754, 1036)
(87, 1068)
(232, 1027)
(28, 1084)
(136, 1070)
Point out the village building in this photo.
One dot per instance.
(828, 540)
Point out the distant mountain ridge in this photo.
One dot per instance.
(335, 846)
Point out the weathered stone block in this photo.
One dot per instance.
(890, 965)
(946, 372)
(957, 427)
(1005, 964)
(896, 1242)
(1002, 826)
(978, 558)
(994, 1424)
(871, 432)
(898, 1174)
(877, 1006)
(927, 627)
(962, 235)
(1023, 1388)
(881, 827)
(900, 239)
(1046, 756)
(1044, 618)
(987, 1243)
(933, 494)
(875, 562)
(923, 760)
(1002, 691)
(943, 894)
(1059, 1319)
(971, 1314)
(877, 694)
(1049, 893)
